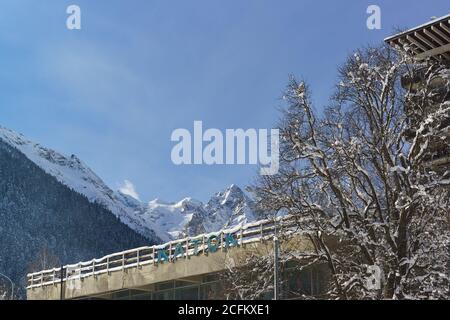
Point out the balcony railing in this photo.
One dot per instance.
(175, 250)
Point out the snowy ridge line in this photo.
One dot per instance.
(156, 220)
(252, 232)
(77, 176)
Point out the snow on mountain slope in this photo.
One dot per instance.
(73, 173)
(172, 218)
(155, 220)
(190, 217)
(228, 209)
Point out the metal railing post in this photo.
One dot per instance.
(137, 259)
(61, 296)
(187, 248)
(275, 266)
(261, 231)
(242, 236)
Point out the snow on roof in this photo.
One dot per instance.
(431, 39)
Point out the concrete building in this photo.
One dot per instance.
(429, 47)
(183, 269)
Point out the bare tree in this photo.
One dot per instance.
(7, 290)
(44, 260)
(250, 276)
(368, 175)
(3, 293)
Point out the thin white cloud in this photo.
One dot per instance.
(129, 189)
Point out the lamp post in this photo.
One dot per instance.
(12, 285)
(275, 265)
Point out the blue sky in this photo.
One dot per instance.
(113, 92)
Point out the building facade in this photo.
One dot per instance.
(429, 47)
(191, 268)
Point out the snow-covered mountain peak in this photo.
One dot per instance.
(189, 217)
(73, 173)
(157, 220)
(68, 169)
(188, 204)
(229, 208)
(229, 197)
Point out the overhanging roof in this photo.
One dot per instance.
(431, 39)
